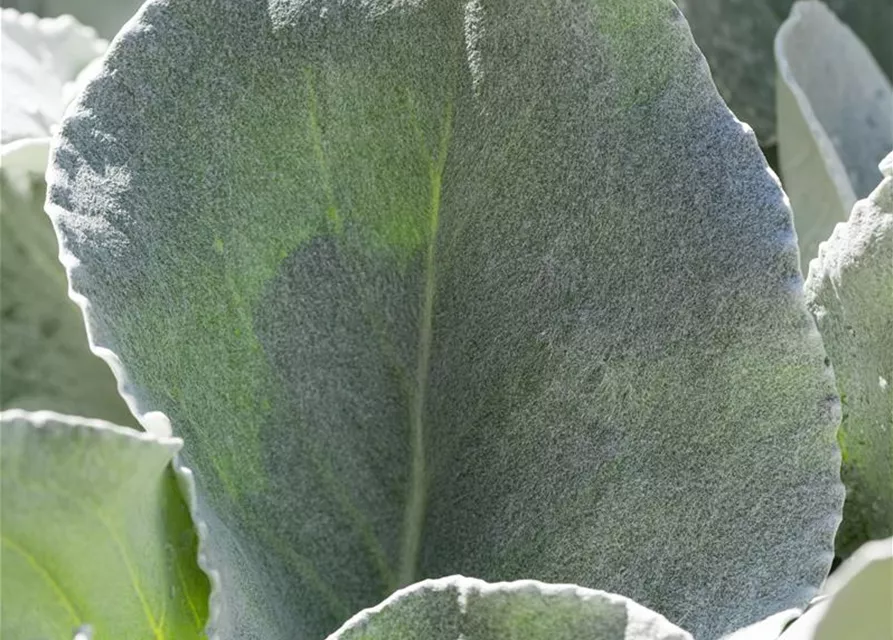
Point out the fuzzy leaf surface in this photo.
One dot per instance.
(491, 288)
(459, 607)
(835, 121)
(95, 533)
(106, 16)
(850, 293)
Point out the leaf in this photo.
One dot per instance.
(459, 607)
(40, 59)
(850, 293)
(736, 37)
(834, 121)
(870, 20)
(95, 533)
(859, 594)
(501, 290)
(106, 16)
(45, 360)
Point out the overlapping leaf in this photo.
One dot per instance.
(835, 119)
(857, 599)
(489, 288)
(41, 61)
(850, 292)
(106, 16)
(458, 607)
(855, 603)
(95, 533)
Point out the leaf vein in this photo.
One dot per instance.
(418, 489)
(44, 573)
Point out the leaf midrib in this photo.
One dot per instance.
(418, 484)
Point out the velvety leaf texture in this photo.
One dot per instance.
(736, 36)
(459, 607)
(850, 292)
(45, 361)
(835, 121)
(95, 533)
(436, 287)
(40, 59)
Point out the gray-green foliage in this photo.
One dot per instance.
(850, 292)
(458, 607)
(95, 533)
(736, 36)
(438, 287)
(45, 361)
(835, 121)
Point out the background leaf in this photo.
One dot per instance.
(458, 607)
(40, 59)
(488, 288)
(835, 121)
(736, 37)
(94, 532)
(45, 360)
(106, 16)
(850, 292)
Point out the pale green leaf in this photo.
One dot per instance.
(95, 533)
(459, 607)
(40, 59)
(736, 37)
(835, 121)
(858, 600)
(106, 16)
(850, 292)
(499, 289)
(869, 19)
(45, 360)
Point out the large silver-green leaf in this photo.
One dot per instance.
(850, 292)
(486, 287)
(835, 121)
(40, 63)
(106, 16)
(858, 598)
(45, 359)
(459, 607)
(737, 35)
(95, 533)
